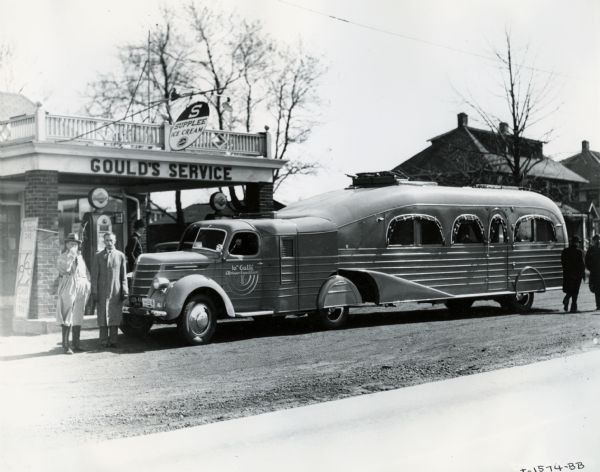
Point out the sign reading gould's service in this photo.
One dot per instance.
(188, 127)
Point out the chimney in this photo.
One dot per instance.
(503, 128)
(585, 146)
(463, 120)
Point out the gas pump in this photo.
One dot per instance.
(97, 223)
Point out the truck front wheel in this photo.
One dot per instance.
(198, 320)
(136, 325)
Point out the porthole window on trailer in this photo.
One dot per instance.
(467, 229)
(498, 231)
(414, 230)
(534, 228)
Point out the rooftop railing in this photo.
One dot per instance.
(43, 127)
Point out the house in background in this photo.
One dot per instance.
(468, 156)
(587, 162)
(15, 104)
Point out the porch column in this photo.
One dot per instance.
(41, 201)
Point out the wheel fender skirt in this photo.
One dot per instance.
(529, 279)
(178, 294)
(338, 291)
(396, 289)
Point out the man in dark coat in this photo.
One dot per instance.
(134, 245)
(592, 262)
(573, 272)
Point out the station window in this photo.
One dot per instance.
(498, 232)
(467, 229)
(414, 230)
(244, 244)
(534, 228)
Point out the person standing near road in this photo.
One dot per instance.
(134, 245)
(573, 267)
(592, 262)
(73, 292)
(109, 289)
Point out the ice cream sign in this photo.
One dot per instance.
(188, 127)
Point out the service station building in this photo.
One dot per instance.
(51, 165)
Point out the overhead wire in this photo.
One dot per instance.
(407, 37)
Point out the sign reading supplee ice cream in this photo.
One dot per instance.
(188, 126)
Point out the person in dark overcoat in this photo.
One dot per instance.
(592, 262)
(134, 245)
(109, 289)
(573, 267)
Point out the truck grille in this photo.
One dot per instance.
(142, 278)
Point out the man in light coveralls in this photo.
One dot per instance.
(109, 289)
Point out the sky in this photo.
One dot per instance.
(397, 70)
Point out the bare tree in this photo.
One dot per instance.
(293, 101)
(150, 70)
(6, 72)
(528, 101)
(149, 73)
(237, 68)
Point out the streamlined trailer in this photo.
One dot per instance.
(381, 241)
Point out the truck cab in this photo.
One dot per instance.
(232, 268)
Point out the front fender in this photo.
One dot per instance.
(338, 291)
(181, 290)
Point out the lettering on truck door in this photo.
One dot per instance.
(243, 271)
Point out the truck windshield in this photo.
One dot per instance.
(205, 238)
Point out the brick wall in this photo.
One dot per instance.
(259, 197)
(41, 201)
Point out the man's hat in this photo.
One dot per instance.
(73, 238)
(139, 224)
(596, 237)
(576, 239)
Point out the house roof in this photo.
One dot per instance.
(586, 162)
(15, 104)
(476, 144)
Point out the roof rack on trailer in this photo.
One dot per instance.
(255, 216)
(494, 186)
(382, 179)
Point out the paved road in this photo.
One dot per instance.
(544, 414)
(48, 399)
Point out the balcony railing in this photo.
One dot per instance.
(43, 127)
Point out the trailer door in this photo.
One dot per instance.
(498, 246)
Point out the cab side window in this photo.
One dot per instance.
(534, 228)
(498, 232)
(414, 230)
(244, 244)
(467, 229)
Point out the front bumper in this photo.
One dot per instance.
(151, 306)
(129, 310)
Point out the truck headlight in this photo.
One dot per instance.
(158, 283)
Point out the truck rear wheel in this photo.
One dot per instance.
(331, 318)
(198, 320)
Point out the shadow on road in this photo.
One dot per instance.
(166, 337)
(240, 330)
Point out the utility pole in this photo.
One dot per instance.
(148, 78)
